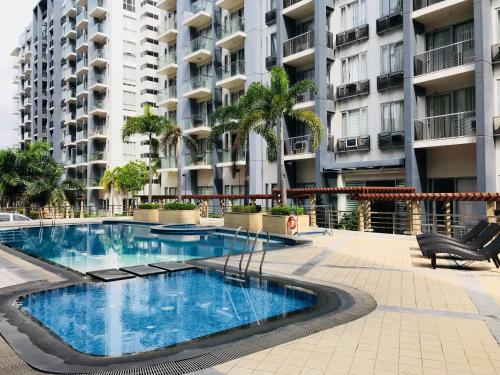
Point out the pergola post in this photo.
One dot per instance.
(490, 211)
(447, 218)
(312, 213)
(415, 219)
(368, 215)
(361, 216)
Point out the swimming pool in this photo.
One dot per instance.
(93, 247)
(145, 314)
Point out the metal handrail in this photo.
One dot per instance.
(265, 251)
(244, 250)
(446, 57)
(229, 253)
(252, 251)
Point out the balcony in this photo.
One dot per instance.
(435, 68)
(299, 50)
(201, 161)
(495, 53)
(82, 65)
(69, 52)
(69, 96)
(82, 136)
(98, 33)
(167, 5)
(69, 8)
(167, 32)
(199, 50)
(231, 35)
(82, 43)
(305, 101)
(352, 144)
(202, 14)
(81, 159)
(271, 17)
(167, 64)
(271, 61)
(356, 34)
(69, 73)
(389, 140)
(390, 22)
(354, 89)
(99, 58)
(97, 8)
(445, 130)
(199, 124)
(98, 108)
(225, 157)
(70, 117)
(98, 82)
(232, 76)
(99, 157)
(428, 12)
(69, 30)
(298, 148)
(168, 164)
(298, 9)
(69, 139)
(390, 81)
(167, 98)
(330, 91)
(99, 131)
(81, 113)
(81, 18)
(199, 87)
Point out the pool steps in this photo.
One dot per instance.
(125, 273)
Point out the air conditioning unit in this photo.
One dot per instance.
(351, 143)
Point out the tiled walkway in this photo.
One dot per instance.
(443, 321)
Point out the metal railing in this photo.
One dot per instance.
(202, 42)
(98, 156)
(495, 53)
(389, 22)
(355, 34)
(98, 79)
(419, 4)
(450, 56)
(199, 120)
(453, 125)
(289, 3)
(98, 28)
(392, 139)
(81, 159)
(233, 69)
(232, 26)
(390, 80)
(298, 43)
(227, 155)
(271, 16)
(350, 144)
(350, 90)
(298, 145)
(198, 82)
(202, 159)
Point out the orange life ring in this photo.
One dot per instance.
(292, 222)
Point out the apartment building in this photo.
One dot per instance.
(82, 68)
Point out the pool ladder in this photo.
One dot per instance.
(242, 275)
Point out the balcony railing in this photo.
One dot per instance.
(99, 79)
(199, 120)
(419, 4)
(454, 125)
(99, 104)
(71, 160)
(200, 159)
(167, 59)
(231, 27)
(330, 91)
(496, 126)
(350, 144)
(298, 145)
(199, 43)
(199, 82)
(96, 4)
(169, 23)
(231, 70)
(98, 28)
(390, 80)
(81, 159)
(99, 54)
(227, 155)
(446, 57)
(495, 53)
(168, 162)
(81, 135)
(289, 3)
(98, 156)
(353, 89)
(69, 138)
(271, 17)
(389, 22)
(201, 5)
(98, 130)
(355, 34)
(306, 97)
(271, 61)
(82, 63)
(298, 44)
(168, 93)
(392, 139)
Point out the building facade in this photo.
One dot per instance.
(408, 90)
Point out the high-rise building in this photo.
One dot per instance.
(407, 89)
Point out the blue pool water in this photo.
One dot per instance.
(145, 314)
(94, 247)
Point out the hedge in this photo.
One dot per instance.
(148, 206)
(245, 209)
(287, 210)
(180, 206)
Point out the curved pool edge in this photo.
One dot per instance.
(45, 352)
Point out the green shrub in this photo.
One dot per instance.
(349, 221)
(180, 206)
(244, 209)
(287, 210)
(148, 206)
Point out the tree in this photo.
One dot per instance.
(172, 135)
(152, 126)
(272, 104)
(128, 179)
(235, 119)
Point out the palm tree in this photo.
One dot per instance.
(235, 119)
(172, 135)
(272, 104)
(150, 125)
(110, 183)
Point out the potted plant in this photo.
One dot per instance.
(147, 213)
(277, 220)
(248, 217)
(179, 213)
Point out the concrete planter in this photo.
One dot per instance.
(146, 216)
(278, 224)
(179, 217)
(247, 221)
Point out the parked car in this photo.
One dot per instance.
(12, 216)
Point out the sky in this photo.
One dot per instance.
(14, 16)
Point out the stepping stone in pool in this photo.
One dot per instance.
(143, 270)
(172, 266)
(111, 275)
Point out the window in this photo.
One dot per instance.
(129, 49)
(129, 73)
(392, 117)
(129, 23)
(355, 122)
(129, 100)
(129, 5)
(272, 45)
(390, 6)
(353, 14)
(354, 68)
(391, 58)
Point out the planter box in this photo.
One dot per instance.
(146, 216)
(179, 217)
(247, 221)
(278, 224)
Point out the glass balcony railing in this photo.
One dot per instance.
(199, 82)
(98, 79)
(98, 130)
(199, 120)
(231, 27)
(231, 70)
(170, 23)
(227, 155)
(201, 5)
(199, 43)
(81, 159)
(451, 56)
(199, 159)
(167, 59)
(99, 54)
(168, 93)
(453, 125)
(82, 63)
(298, 44)
(168, 162)
(69, 138)
(99, 104)
(96, 4)
(98, 28)
(81, 111)
(81, 135)
(82, 39)
(98, 156)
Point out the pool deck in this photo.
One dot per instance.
(444, 321)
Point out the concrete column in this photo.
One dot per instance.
(490, 211)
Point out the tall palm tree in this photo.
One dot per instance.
(110, 183)
(172, 135)
(235, 119)
(152, 126)
(272, 104)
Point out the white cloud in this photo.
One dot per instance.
(14, 17)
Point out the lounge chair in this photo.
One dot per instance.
(487, 252)
(468, 237)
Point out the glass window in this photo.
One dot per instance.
(392, 116)
(353, 14)
(129, 5)
(391, 57)
(355, 122)
(390, 7)
(354, 68)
